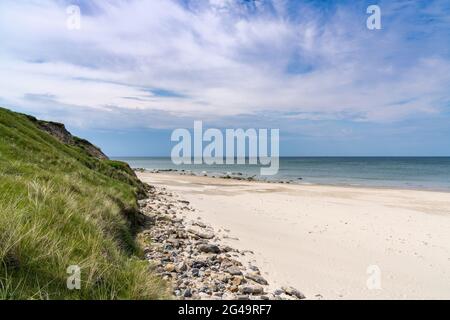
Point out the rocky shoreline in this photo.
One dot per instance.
(190, 255)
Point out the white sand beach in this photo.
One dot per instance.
(323, 239)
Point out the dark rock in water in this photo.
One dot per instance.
(209, 248)
(291, 291)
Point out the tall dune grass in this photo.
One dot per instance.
(61, 207)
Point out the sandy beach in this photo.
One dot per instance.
(330, 242)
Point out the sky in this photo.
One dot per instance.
(136, 70)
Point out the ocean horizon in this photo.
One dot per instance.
(427, 173)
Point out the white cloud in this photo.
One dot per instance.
(220, 61)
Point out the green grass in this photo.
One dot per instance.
(61, 207)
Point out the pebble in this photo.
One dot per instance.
(257, 278)
(209, 248)
(200, 233)
(187, 293)
(170, 267)
(250, 289)
(234, 271)
(291, 291)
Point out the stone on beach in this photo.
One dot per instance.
(234, 271)
(200, 233)
(257, 278)
(251, 289)
(170, 267)
(291, 291)
(209, 248)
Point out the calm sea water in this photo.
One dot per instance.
(399, 172)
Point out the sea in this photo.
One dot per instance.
(427, 173)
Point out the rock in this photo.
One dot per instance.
(142, 203)
(278, 292)
(254, 268)
(291, 291)
(181, 267)
(168, 247)
(170, 267)
(228, 296)
(174, 242)
(209, 248)
(237, 281)
(227, 249)
(200, 224)
(234, 271)
(195, 272)
(223, 277)
(251, 289)
(200, 233)
(199, 264)
(257, 278)
(187, 293)
(204, 296)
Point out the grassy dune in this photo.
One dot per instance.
(60, 206)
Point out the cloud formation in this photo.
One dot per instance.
(157, 63)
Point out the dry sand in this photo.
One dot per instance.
(323, 240)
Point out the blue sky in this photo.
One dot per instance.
(136, 70)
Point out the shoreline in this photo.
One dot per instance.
(323, 239)
(242, 177)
